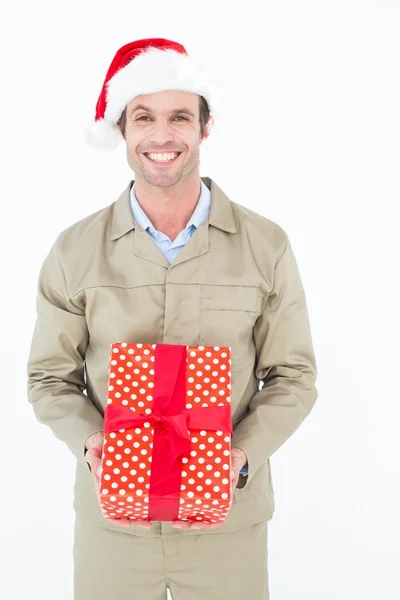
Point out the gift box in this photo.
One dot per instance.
(167, 433)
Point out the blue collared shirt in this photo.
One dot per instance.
(171, 249)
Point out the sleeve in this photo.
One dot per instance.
(55, 365)
(285, 363)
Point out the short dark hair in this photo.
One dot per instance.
(204, 116)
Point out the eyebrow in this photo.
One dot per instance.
(173, 112)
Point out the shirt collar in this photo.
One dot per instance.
(198, 216)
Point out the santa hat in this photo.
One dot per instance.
(145, 67)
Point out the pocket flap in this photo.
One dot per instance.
(232, 297)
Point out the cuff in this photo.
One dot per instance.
(245, 469)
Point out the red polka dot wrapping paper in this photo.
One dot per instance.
(199, 485)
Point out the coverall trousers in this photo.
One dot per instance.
(113, 565)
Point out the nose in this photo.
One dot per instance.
(160, 133)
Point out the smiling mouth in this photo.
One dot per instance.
(162, 162)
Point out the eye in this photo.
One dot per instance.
(177, 117)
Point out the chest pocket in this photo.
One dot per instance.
(228, 315)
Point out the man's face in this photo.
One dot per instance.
(168, 123)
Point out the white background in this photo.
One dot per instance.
(309, 138)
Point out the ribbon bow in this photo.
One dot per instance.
(175, 428)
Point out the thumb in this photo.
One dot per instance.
(236, 463)
(94, 462)
(97, 466)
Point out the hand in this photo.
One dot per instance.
(239, 459)
(93, 457)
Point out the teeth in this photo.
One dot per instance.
(163, 157)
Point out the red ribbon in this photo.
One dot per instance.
(172, 421)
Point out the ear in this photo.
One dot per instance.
(208, 128)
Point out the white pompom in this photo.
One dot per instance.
(103, 134)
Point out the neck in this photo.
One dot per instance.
(169, 208)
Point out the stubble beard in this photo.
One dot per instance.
(164, 179)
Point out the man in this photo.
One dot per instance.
(172, 261)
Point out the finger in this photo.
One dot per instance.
(180, 524)
(145, 524)
(122, 522)
(193, 525)
(237, 463)
(98, 451)
(96, 466)
(134, 522)
(204, 525)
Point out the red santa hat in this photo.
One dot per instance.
(145, 67)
